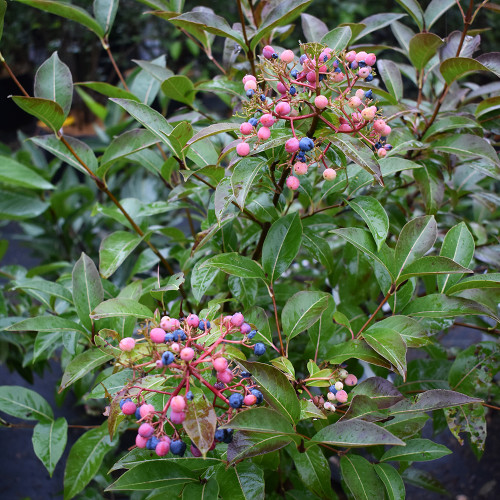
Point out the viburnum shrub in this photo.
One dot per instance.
(252, 292)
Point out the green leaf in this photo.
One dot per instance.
(487, 106)
(114, 249)
(205, 491)
(391, 75)
(281, 245)
(468, 419)
(49, 441)
(389, 344)
(456, 67)
(406, 425)
(3, 8)
(440, 306)
(466, 145)
(53, 145)
(360, 478)
(319, 250)
(435, 10)
(67, 11)
(313, 28)
(53, 81)
(112, 384)
(458, 245)
(243, 289)
(394, 485)
(216, 128)
(121, 307)
(16, 174)
(449, 123)
(357, 349)
(83, 364)
(338, 38)
(263, 420)
(423, 46)
(200, 422)
(276, 389)
(223, 197)
(247, 444)
(179, 88)
(423, 479)
(354, 433)
(373, 213)
(430, 183)
(88, 292)
(15, 206)
(415, 239)
(108, 90)
(105, 13)
(309, 410)
(431, 265)
(414, 334)
(24, 403)
(415, 10)
(314, 470)
(236, 264)
(49, 112)
(416, 450)
(378, 21)
(95, 107)
(201, 279)
(84, 460)
(244, 481)
(46, 324)
(282, 14)
(244, 175)
(302, 310)
(491, 280)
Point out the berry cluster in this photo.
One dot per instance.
(187, 349)
(322, 84)
(336, 392)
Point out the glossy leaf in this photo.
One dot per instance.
(405, 426)
(431, 265)
(201, 279)
(281, 245)
(276, 389)
(108, 90)
(301, 311)
(416, 450)
(338, 38)
(425, 480)
(111, 385)
(435, 10)
(373, 213)
(105, 13)
(423, 46)
(83, 364)
(216, 128)
(244, 175)
(491, 280)
(46, 324)
(202, 491)
(121, 307)
(360, 478)
(391, 75)
(3, 8)
(412, 332)
(114, 249)
(309, 410)
(263, 420)
(16, 206)
(377, 22)
(394, 485)
(457, 67)
(318, 249)
(49, 441)
(244, 481)
(449, 123)
(357, 349)
(24, 403)
(16, 174)
(223, 197)
(179, 88)
(48, 111)
(467, 145)
(238, 265)
(53, 81)
(313, 28)
(200, 422)
(429, 179)
(390, 345)
(413, 8)
(246, 444)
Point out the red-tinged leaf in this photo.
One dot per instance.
(200, 422)
(48, 111)
(246, 444)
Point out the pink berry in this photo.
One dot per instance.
(292, 182)
(321, 102)
(364, 72)
(267, 120)
(281, 88)
(162, 448)
(341, 396)
(264, 133)
(146, 410)
(128, 343)
(370, 59)
(360, 93)
(246, 128)
(345, 127)
(338, 77)
(387, 130)
(354, 102)
(146, 430)
(329, 174)
(178, 404)
(157, 335)
(245, 328)
(251, 85)
(165, 322)
(381, 152)
(300, 168)
(129, 408)
(350, 56)
(175, 347)
(177, 417)
(379, 126)
(193, 320)
(282, 109)
(187, 354)
(227, 320)
(351, 380)
(311, 77)
(368, 114)
(195, 451)
(360, 56)
(220, 364)
(268, 52)
(323, 54)
(249, 400)
(287, 56)
(292, 145)
(140, 441)
(225, 377)
(323, 69)
(247, 78)
(243, 148)
(237, 319)
(159, 363)
(356, 117)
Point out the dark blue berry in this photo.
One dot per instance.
(262, 97)
(293, 90)
(169, 337)
(369, 78)
(219, 385)
(175, 336)
(167, 358)
(303, 58)
(252, 334)
(235, 400)
(378, 145)
(337, 70)
(325, 58)
(275, 56)
(361, 64)
(229, 436)
(259, 349)
(250, 93)
(204, 324)
(253, 122)
(258, 395)
(123, 401)
(138, 413)
(178, 447)
(322, 77)
(220, 434)
(152, 442)
(387, 147)
(189, 396)
(306, 144)
(332, 389)
(294, 73)
(383, 138)
(369, 94)
(245, 374)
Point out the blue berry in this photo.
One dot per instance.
(322, 77)
(204, 323)
(383, 138)
(250, 93)
(152, 442)
(258, 395)
(178, 447)
(369, 94)
(303, 58)
(387, 147)
(253, 122)
(275, 56)
(325, 58)
(229, 436)
(378, 145)
(294, 73)
(168, 337)
(259, 349)
(189, 396)
(293, 90)
(337, 70)
(361, 64)
(138, 413)
(369, 78)
(252, 334)
(332, 389)
(336, 63)
(167, 358)
(353, 65)
(306, 144)
(175, 336)
(220, 434)
(245, 374)
(123, 401)
(219, 385)
(235, 400)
